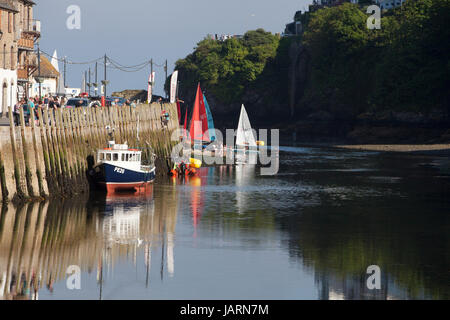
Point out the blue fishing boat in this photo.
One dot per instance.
(119, 168)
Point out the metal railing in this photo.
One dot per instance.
(31, 25)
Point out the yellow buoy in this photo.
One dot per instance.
(197, 164)
(260, 143)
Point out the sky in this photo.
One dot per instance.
(134, 31)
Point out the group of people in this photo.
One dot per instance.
(33, 105)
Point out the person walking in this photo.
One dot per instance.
(38, 106)
(29, 109)
(57, 103)
(51, 103)
(16, 112)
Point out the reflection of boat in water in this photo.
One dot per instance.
(245, 174)
(122, 226)
(122, 216)
(119, 168)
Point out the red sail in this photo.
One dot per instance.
(199, 121)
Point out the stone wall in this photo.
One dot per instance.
(52, 155)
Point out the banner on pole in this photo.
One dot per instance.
(173, 87)
(151, 81)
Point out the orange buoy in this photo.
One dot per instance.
(173, 173)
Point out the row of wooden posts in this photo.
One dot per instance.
(53, 155)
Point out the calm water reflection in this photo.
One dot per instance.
(308, 233)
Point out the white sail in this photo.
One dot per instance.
(55, 64)
(55, 60)
(245, 134)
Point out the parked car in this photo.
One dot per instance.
(78, 102)
(116, 101)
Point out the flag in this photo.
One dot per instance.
(151, 81)
(173, 87)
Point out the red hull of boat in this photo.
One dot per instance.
(118, 187)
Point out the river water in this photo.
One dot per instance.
(309, 232)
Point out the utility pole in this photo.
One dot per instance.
(96, 80)
(151, 80)
(105, 70)
(151, 68)
(165, 69)
(89, 82)
(65, 72)
(85, 80)
(39, 72)
(105, 82)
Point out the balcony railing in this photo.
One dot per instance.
(32, 26)
(26, 43)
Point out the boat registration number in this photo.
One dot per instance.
(119, 170)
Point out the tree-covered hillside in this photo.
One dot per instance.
(337, 67)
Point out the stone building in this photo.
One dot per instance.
(28, 32)
(18, 33)
(8, 56)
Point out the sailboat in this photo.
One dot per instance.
(212, 134)
(199, 120)
(202, 127)
(246, 140)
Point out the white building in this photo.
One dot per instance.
(48, 78)
(8, 56)
(74, 92)
(389, 4)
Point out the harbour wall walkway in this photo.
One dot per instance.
(52, 155)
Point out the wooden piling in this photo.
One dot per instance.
(20, 194)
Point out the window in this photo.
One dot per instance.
(108, 157)
(9, 22)
(4, 56)
(122, 157)
(138, 157)
(115, 157)
(101, 157)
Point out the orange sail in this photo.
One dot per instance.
(199, 121)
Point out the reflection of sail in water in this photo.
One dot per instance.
(196, 198)
(166, 209)
(245, 174)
